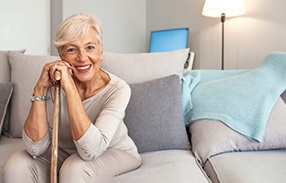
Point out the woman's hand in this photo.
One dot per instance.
(47, 78)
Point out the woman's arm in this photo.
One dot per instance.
(36, 125)
(100, 133)
(79, 120)
(35, 132)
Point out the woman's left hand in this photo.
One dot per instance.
(66, 73)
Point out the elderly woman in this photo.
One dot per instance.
(93, 139)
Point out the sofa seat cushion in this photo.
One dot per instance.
(166, 166)
(243, 167)
(8, 146)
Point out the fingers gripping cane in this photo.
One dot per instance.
(56, 119)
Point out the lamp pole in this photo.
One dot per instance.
(219, 8)
(222, 19)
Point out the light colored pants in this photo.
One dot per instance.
(22, 167)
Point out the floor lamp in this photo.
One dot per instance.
(222, 9)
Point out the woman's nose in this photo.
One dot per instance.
(82, 55)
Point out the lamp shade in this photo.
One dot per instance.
(215, 8)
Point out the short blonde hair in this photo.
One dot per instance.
(75, 27)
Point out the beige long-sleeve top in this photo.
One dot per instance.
(106, 110)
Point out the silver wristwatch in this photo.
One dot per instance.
(40, 98)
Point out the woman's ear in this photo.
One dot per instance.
(60, 55)
(101, 52)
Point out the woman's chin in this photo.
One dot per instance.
(83, 77)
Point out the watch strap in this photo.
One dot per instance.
(40, 98)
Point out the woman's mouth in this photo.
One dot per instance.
(83, 68)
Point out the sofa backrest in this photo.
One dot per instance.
(24, 70)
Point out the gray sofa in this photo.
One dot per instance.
(204, 152)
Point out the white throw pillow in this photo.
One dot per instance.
(140, 67)
(25, 72)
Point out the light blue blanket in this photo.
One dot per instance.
(242, 99)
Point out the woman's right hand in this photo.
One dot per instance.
(46, 80)
(47, 77)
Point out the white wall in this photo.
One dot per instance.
(127, 24)
(247, 38)
(25, 25)
(168, 14)
(124, 22)
(260, 31)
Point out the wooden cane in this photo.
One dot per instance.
(56, 119)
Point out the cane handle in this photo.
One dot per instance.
(57, 75)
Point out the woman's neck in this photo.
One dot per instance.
(91, 88)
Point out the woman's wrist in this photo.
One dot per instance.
(40, 91)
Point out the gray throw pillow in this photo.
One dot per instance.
(154, 116)
(6, 90)
(283, 96)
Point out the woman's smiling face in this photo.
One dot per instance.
(84, 55)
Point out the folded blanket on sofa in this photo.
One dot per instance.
(242, 99)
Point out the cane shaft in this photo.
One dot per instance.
(56, 119)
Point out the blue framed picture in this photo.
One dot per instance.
(168, 40)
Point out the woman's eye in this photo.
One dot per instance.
(71, 50)
(90, 48)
